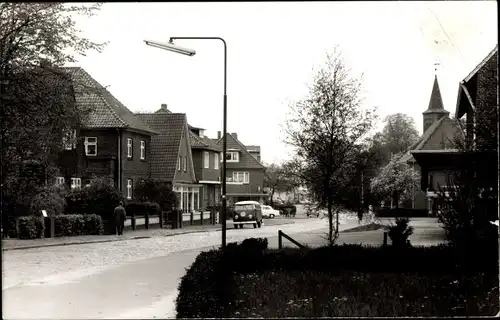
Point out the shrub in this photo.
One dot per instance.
(50, 201)
(140, 208)
(77, 224)
(401, 212)
(400, 232)
(31, 227)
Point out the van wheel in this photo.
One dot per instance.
(254, 225)
(236, 226)
(259, 224)
(271, 216)
(241, 226)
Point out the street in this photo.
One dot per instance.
(124, 279)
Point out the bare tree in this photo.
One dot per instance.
(324, 127)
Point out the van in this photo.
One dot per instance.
(247, 212)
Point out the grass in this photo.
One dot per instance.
(366, 227)
(353, 294)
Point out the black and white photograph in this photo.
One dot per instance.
(274, 159)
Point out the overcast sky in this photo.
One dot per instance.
(272, 49)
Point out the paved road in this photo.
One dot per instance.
(126, 279)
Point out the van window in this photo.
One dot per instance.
(243, 207)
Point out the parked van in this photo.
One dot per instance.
(247, 212)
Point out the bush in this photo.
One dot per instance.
(49, 200)
(31, 227)
(401, 212)
(77, 224)
(140, 208)
(400, 232)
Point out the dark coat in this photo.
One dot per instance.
(120, 214)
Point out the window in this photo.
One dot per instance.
(232, 156)
(143, 149)
(91, 146)
(129, 148)
(241, 177)
(185, 164)
(69, 140)
(129, 189)
(76, 183)
(216, 161)
(206, 160)
(179, 163)
(59, 180)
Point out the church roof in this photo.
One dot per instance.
(436, 101)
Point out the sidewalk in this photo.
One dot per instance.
(17, 244)
(154, 231)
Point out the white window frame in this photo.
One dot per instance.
(216, 161)
(206, 159)
(76, 183)
(90, 143)
(129, 189)
(69, 140)
(241, 177)
(234, 156)
(143, 149)
(184, 164)
(179, 164)
(130, 150)
(59, 180)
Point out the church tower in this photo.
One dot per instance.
(435, 111)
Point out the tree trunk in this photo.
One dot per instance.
(330, 221)
(272, 196)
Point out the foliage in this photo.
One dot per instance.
(278, 177)
(400, 232)
(157, 191)
(323, 128)
(78, 225)
(31, 227)
(402, 212)
(100, 198)
(396, 181)
(37, 105)
(50, 199)
(140, 208)
(313, 294)
(399, 133)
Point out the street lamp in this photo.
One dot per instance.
(170, 46)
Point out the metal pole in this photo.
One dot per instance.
(224, 132)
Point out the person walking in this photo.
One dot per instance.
(120, 218)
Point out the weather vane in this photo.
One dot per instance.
(436, 64)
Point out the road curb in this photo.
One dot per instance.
(98, 241)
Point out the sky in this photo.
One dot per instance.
(272, 49)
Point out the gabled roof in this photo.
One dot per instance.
(165, 146)
(436, 101)
(246, 161)
(481, 64)
(206, 143)
(105, 110)
(253, 148)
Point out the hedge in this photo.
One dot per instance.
(32, 227)
(140, 208)
(402, 212)
(205, 290)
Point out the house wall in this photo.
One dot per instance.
(486, 102)
(184, 176)
(202, 173)
(256, 180)
(134, 168)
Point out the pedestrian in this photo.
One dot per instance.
(120, 218)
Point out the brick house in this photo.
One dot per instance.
(207, 166)
(171, 156)
(245, 173)
(477, 100)
(112, 142)
(439, 132)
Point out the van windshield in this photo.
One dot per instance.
(243, 207)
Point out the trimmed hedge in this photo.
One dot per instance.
(140, 208)
(402, 212)
(206, 289)
(32, 227)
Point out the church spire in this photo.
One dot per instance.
(436, 110)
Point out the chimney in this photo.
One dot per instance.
(163, 109)
(235, 135)
(218, 135)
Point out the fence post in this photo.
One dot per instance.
(161, 218)
(52, 227)
(280, 239)
(146, 219)
(132, 220)
(385, 238)
(191, 216)
(201, 217)
(180, 216)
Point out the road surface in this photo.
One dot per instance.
(125, 279)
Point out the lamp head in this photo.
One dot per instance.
(170, 46)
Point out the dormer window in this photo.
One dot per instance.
(232, 156)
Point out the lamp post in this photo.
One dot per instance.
(170, 46)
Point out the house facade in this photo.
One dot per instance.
(207, 166)
(171, 156)
(112, 142)
(245, 173)
(477, 103)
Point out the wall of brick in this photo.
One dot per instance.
(256, 180)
